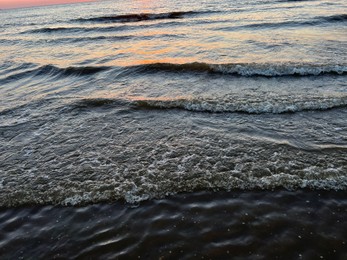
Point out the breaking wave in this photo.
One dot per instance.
(231, 103)
(227, 104)
(276, 105)
(245, 69)
(249, 69)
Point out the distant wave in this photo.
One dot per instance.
(138, 17)
(99, 102)
(10, 42)
(54, 71)
(341, 18)
(64, 40)
(52, 30)
(285, 1)
(91, 39)
(112, 38)
(333, 18)
(248, 69)
(311, 22)
(113, 28)
(55, 29)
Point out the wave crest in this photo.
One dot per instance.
(50, 70)
(138, 17)
(314, 21)
(249, 69)
(55, 29)
(76, 30)
(334, 18)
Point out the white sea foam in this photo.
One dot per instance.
(77, 199)
(271, 70)
(253, 105)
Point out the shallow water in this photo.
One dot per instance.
(139, 100)
(174, 103)
(238, 225)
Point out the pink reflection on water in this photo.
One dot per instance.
(7, 4)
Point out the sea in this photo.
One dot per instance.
(174, 129)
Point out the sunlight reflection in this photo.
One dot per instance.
(145, 6)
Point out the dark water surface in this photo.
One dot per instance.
(223, 122)
(235, 225)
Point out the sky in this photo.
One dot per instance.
(5, 4)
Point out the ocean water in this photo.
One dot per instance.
(223, 124)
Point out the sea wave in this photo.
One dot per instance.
(50, 70)
(76, 177)
(248, 69)
(88, 39)
(318, 20)
(275, 105)
(77, 158)
(11, 67)
(96, 28)
(231, 103)
(68, 29)
(227, 104)
(140, 17)
(233, 69)
(56, 29)
(285, 1)
(333, 18)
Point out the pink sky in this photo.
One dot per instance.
(4, 4)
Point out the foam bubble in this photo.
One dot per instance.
(252, 105)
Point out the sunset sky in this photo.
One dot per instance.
(4, 4)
